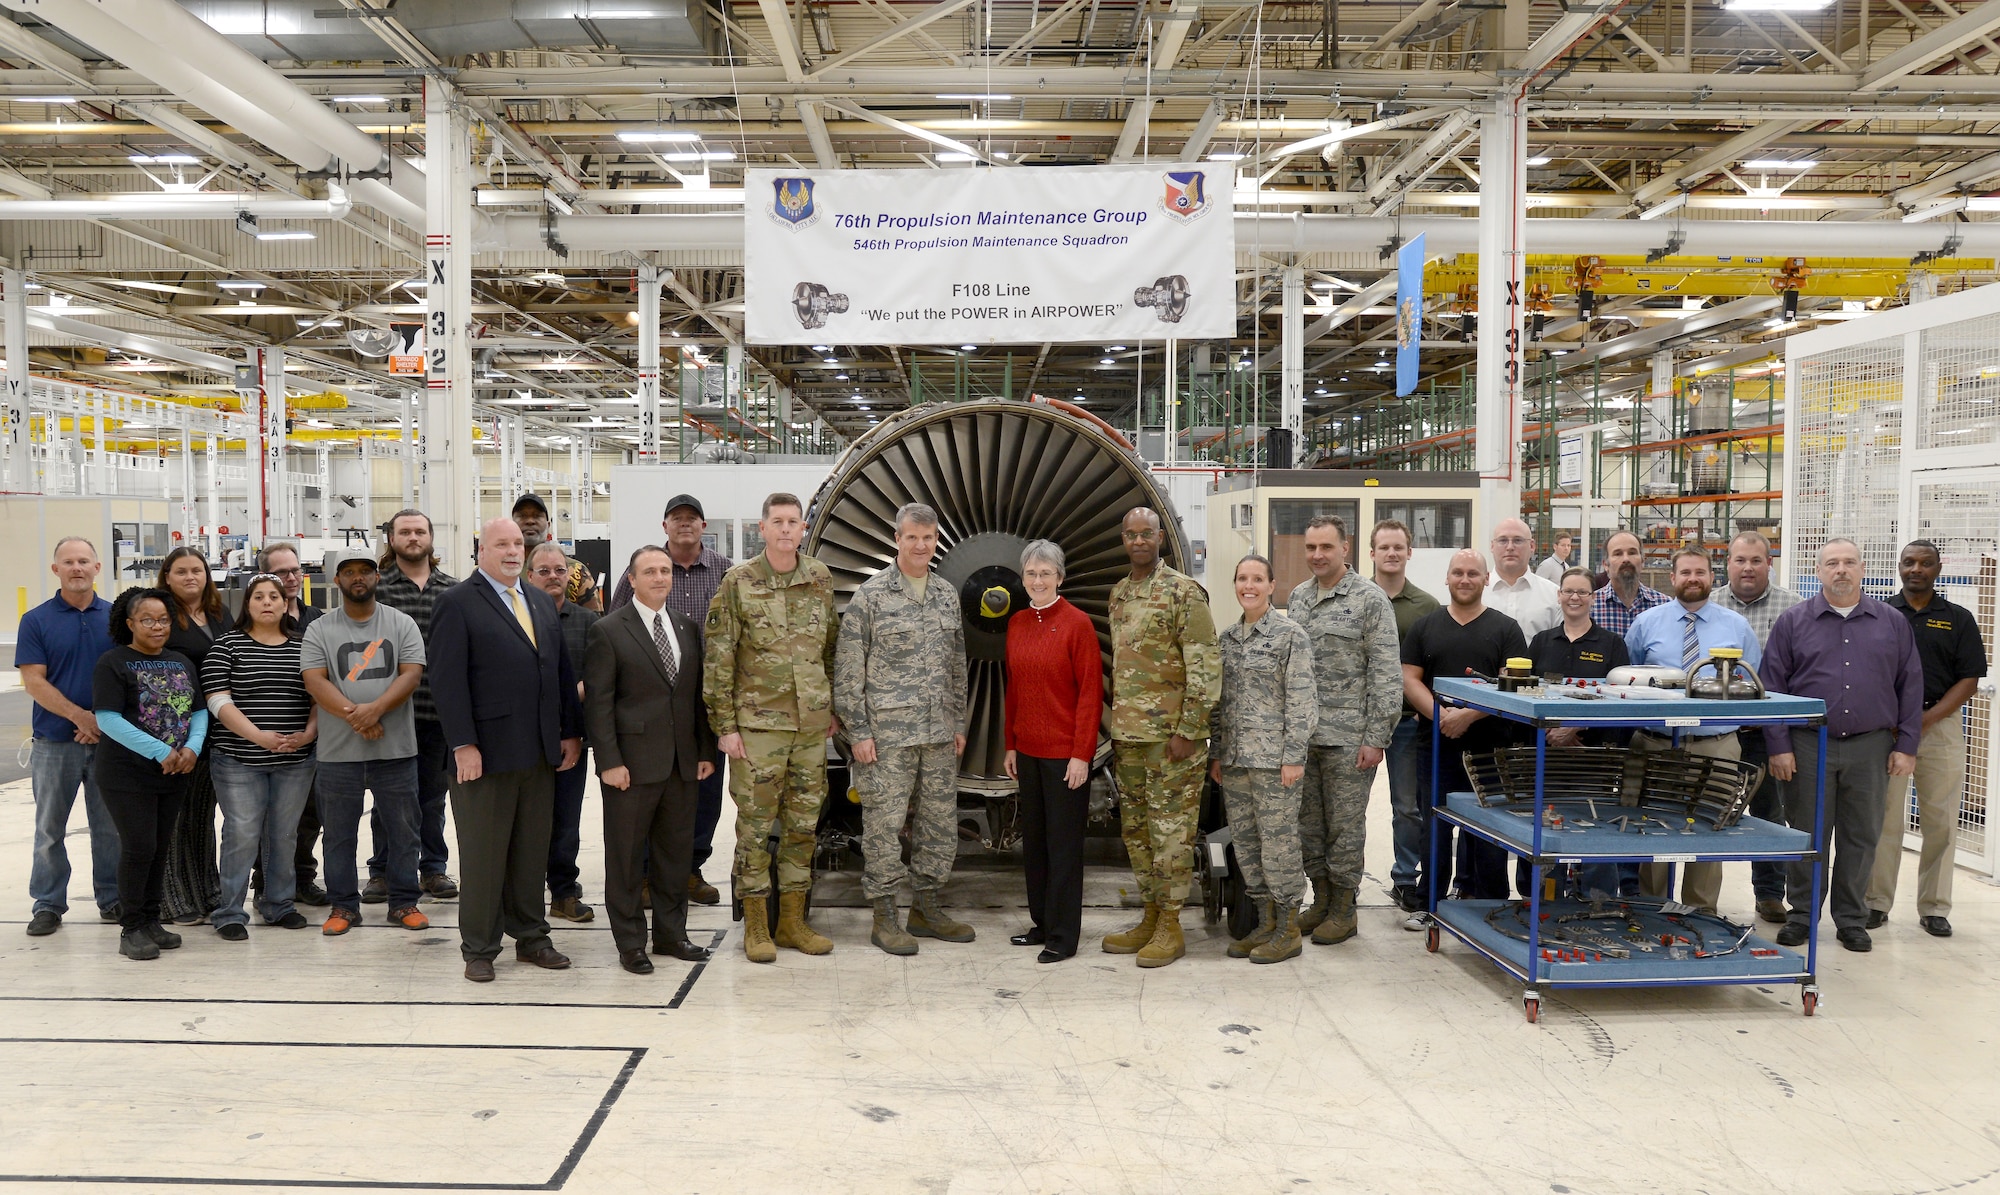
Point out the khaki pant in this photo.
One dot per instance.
(1701, 883)
(1940, 784)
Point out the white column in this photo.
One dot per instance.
(589, 507)
(272, 441)
(19, 468)
(517, 439)
(412, 454)
(575, 482)
(214, 515)
(1292, 360)
(326, 492)
(649, 365)
(1497, 387)
(453, 492)
(365, 446)
(189, 522)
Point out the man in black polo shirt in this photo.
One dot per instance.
(1954, 659)
(1462, 636)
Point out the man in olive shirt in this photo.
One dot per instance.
(1954, 658)
(1409, 747)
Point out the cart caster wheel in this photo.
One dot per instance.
(1534, 1009)
(1431, 937)
(1810, 1000)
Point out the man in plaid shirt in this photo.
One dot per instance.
(1623, 599)
(411, 582)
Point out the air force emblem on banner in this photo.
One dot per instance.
(1187, 194)
(793, 202)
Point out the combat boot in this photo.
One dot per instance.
(1130, 941)
(1167, 944)
(1256, 937)
(1284, 941)
(888, 934)
(1339, 925)
(793, 932)
(1314, 913)
(929, 920)
(757, 945)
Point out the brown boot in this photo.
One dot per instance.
(1284, 942)
(1131, 940)
(1167, 944)
(793, 932)
(1339, 925)
(929, 920)
(700, 891)
(1242, 947)
(1314, 913)
(757, 945)
(887, 933)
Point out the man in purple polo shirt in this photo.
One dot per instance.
(1860, 657)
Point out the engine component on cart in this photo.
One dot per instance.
(1688, 786)
(1733, 680)
(812, 303)
(1642, 926)
(1168, 297)
(1653, 676)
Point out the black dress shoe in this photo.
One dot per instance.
(1033, 937)
(635, 961)
(309, 893)
(1053, 956)
(545, 956)
(1877, 919)
(1794, 934)
(683, 950)
(1936, 927)
(1856, 939)
(479, 970)
(44, 923)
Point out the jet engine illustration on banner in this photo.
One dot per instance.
(1168, 297)
(812, 303)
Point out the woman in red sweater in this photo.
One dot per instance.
(1055, 699)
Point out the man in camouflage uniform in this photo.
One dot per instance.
(1166, 675)
(766, 679)
(1357, 665)
(899, 690)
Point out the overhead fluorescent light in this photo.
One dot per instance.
(644, 135)
(1781, 163)
(1227, 157)
(1538, 160)
(45, 99)
(1775, 5)
(231, 285)
(163, 159)
(288, 234)
(360, 99)
(968, 95)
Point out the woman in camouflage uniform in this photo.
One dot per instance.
(1261, 727)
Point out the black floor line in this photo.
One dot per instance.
(555, 1182)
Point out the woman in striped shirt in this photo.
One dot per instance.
(263, 754)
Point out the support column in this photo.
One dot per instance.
(453, 484)
(1292, 359)
(325, 465)
(214, 510)
(412, 454)
(575, 483)
(189, 522)
(649, 365)
(20, 472)
(272, 414)
(1498, 385)
(365, 447)
(256, 476)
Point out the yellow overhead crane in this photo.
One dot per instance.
(1551, 274)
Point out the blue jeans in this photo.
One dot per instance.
(435, 769)
(394, 783)
(1409, 760)
(260, 811)
(566, 839)
(56, 768)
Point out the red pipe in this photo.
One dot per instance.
(1072, 409)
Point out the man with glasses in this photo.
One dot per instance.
(282, 561)
(548, 571)
(1525, 597)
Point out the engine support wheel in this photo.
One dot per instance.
(1532, 1004)
(1432, 936)
(1809, 1000)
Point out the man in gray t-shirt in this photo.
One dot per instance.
(361, 662)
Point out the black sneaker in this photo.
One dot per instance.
(1856, 939)
(312, 894)
(1877, 919)
(232, 931)
(136, 945)
(109, 912)
(1794, 934)
(44, 923)
(439, 886)
(161, 936)
(1406, 898)
(375, 891)
(292, 920)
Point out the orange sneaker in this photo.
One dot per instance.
(409, 918)
(339, 922)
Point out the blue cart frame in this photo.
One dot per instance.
(1752, 839)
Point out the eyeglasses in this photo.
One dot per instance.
(153, 622)
(1512, 541)
(284, 572)
(1576, 593)
(1137, 536)
(546, 571)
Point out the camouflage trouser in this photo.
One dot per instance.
(1264, 826)
(925, 776)
(782, 783)
(1159, 800)
(1333, 815)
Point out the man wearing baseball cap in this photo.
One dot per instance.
(698, 573)
(532, 514)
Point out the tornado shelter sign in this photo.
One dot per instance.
(1001, 255)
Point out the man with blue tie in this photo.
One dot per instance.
(511, 717)
(1680, 634)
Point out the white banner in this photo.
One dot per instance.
(989, 256)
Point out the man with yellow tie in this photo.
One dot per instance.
(509, 711)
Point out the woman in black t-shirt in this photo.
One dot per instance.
(147, 701)
(194, 886)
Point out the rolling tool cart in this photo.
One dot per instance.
(1557, 806)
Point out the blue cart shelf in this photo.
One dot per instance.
(1529, 837)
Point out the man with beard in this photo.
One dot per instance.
(531, 514)
(1680, 634)
(1623, 598)
(411, 582)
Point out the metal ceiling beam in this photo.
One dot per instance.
(1968, 26)
(1730, 151)
(934, 13)
(1327, 324)
(1705, 320)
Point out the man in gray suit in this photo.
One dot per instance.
(642, 710)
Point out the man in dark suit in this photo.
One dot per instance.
(642, 707)
(510, 714)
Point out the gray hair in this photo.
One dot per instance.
(915, 512)
(67, 540)
(1840, 539)
(1048, 552)
(547, 545)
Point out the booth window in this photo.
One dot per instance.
(1289, 517)
(1432, 524)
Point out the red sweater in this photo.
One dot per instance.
(1055, 683)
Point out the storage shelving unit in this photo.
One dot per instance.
(1542, 846)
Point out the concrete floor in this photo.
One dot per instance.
(366, 1061)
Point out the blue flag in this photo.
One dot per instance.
(1409, 313)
